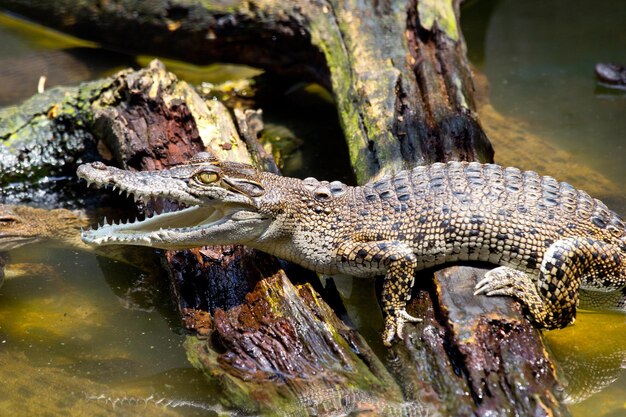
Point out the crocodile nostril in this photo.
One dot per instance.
(99, 165)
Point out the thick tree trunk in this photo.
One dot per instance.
(404, 93)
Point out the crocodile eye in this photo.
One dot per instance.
(207, 177)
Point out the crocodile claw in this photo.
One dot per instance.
(394, 325)
(502, 280)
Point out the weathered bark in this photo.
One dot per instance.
(317, 367)
(498, 359)
(403, 90)
(404, 93)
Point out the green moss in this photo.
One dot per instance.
(440, 12)
(61, 116)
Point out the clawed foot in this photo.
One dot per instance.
(520, 285)
(394, 324)
(502, 281)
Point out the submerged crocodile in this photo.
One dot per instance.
(23, 225)
(550, 239)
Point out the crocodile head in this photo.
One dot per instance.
(220, 200)
(14, 230)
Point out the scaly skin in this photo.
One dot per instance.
(550, 239)
(23, 225)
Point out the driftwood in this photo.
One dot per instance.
(404, 92)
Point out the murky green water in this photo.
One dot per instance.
(92, 338)
(74, 340)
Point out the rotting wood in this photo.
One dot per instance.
(309, 363)
(500, 360)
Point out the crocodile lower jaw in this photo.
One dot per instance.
(158, 228)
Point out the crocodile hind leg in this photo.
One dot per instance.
(568, 265)
(397, 262)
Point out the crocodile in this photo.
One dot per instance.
(551, 241)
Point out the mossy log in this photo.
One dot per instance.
(404, 92)
(397, 68)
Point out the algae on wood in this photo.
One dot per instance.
(401, 90)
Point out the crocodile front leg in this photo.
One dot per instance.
(397, 262)
(568, 264)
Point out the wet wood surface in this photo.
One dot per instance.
(477, 354)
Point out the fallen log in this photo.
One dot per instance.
(403, 91)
